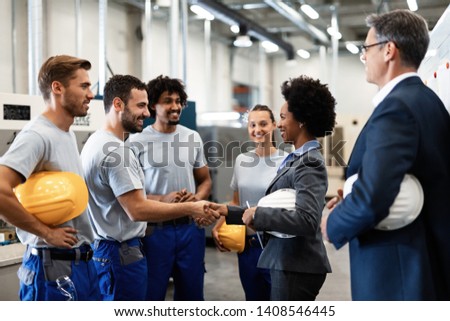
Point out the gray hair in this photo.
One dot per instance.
(407, 30)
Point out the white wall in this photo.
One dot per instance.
(352, 93)
(124, 54)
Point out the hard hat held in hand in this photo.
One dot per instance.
(232, 237)
(282, 198)
(406, 207)
(53, 197)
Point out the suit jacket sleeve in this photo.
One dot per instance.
(391, 144)
(235, 215)
(309, 179)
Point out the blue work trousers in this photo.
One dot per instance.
(176, 251)
(38, 275)
(122, 270)
(255, 281)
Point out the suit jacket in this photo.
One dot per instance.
(306, 252)
(408, 132)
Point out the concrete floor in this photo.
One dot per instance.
(222, 277)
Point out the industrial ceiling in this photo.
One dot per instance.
(283, 20)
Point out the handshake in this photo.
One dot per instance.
(207, 213)
(204, 213)
(210, 212)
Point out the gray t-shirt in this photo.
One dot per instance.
(169, 160)
(253, 174)
(42, 146)
(111, 169)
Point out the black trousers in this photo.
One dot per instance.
(295, 286)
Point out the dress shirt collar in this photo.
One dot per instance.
(306, 147)
(379, 97)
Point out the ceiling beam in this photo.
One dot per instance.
(296, 18)
(231, 17)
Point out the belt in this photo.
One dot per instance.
(175, 222)
(63, 255)
(135, 241)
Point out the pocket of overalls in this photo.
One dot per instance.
(105, 275)
(129, 255)
(56, 269)
(26, 278)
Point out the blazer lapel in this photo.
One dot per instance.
(282, 172)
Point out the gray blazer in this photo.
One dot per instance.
(306, 252)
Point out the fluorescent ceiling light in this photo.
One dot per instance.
(242, 41)
(412, 5)
(201, 12)
(234, 29)
(309, 11)
(252, 6)
(352, 48)
(269, 46)
(303, 53)
(334, 33)
(232, 115)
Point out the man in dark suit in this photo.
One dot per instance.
(408, 132)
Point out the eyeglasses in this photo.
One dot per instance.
(363, 48)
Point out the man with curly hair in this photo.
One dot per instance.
(175, 171)
(408, 133)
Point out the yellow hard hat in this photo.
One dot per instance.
(233, 237)
(53, 197)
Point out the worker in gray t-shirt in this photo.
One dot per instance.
(46, 143)
(175, 171)
(118, 206)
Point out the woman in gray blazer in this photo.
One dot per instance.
(297, 260)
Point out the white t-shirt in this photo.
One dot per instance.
(253, 174)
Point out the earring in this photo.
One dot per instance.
(300, 125)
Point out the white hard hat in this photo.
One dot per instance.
(406, 207)
(282, 198)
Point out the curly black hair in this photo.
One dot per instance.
(156, 87)
(311, 103)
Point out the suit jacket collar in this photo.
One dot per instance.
(293, 157)
(386, 90)
(407, 79)
(282, 171)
